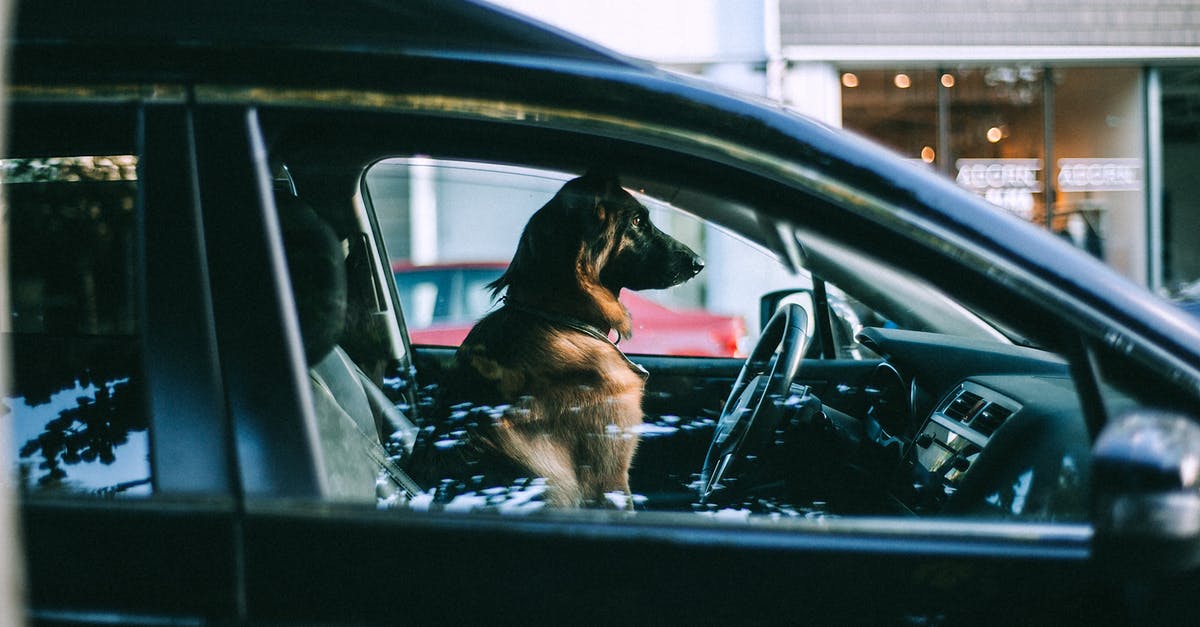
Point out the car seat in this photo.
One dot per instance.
(354, 417)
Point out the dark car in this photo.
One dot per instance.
(214, 399)
(443, 301)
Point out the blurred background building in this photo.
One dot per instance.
(1080, 115)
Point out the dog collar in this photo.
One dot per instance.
(583, 327)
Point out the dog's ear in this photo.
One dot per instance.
(549, 242)
(587, 193)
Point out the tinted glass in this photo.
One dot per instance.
(77, 405)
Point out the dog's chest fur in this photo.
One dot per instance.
(569, 404)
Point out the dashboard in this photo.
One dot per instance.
(991, 428)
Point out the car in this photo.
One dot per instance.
(219, 416)
(443, 301)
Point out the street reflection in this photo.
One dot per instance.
(88, 437)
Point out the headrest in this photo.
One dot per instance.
(317, 268)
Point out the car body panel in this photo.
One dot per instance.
(867, 572)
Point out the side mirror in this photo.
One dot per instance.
(771, 302)
(1146, 493)
(831, 335)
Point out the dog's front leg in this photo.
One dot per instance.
(604, 467)
(546, 457)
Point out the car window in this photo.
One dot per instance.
(928, 408)
(452, 227)
(76, 401)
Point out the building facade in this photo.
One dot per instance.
(1080, 115)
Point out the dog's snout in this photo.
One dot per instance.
(697, 264)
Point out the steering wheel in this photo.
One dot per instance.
(758, 398)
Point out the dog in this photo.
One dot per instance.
(559, 399)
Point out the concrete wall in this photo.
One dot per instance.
(991, 22)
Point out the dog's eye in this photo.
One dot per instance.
(636, 221)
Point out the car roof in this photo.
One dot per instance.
(442, 27)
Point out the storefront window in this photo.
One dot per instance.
(895, 107)
(1180, 87)
(997, 136)
(1099, 143)
(1079, 173)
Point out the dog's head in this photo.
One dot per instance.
(592, 240)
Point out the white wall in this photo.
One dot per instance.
(662, 31)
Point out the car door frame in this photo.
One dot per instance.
(173, 556)
(317, 561)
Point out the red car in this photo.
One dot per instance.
(443, 301)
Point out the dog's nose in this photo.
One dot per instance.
(697, 265)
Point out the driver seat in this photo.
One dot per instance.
(354, 418)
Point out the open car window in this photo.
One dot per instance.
(451, 227)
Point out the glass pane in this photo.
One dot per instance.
(77, 401)
(502, 426)
(1099, 140)
(996, 136)
(1181, 187)
(895, 107)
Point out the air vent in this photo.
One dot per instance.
(963, 406)
(988, 420)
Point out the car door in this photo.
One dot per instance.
(122, 462)
(311, 557)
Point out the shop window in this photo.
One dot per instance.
(1180, 87)
(986, 126)
(895, 107)
(997, 133)
(1099, 140)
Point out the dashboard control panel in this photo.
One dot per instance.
(959, 429)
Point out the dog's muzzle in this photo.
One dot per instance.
(685, 265)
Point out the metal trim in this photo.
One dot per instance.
(164, 93)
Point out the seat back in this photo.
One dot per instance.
(352, 413)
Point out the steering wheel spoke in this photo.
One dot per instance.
(757, 399)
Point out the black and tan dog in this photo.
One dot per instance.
(564, 401)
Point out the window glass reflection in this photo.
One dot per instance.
(76, 402)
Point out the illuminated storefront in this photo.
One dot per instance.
(1061, 146)
(1082, 117)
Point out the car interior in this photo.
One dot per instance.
(947, 415)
